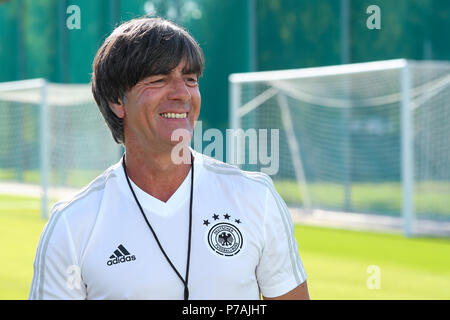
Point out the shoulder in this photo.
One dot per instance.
(81, 207)
(234, 176)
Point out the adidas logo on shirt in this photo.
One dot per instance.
(120, 255)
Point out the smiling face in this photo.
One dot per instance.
(159, 104)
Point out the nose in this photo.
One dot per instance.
(179, 90)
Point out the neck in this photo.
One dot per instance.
(154, 172)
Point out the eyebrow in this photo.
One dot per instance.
(165, 73)
(187, 72)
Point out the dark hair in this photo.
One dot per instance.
(135, 50)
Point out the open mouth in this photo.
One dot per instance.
(173, 115)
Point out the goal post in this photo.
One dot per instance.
(369, 139)
(40, 86)
(406, 152)
(54, 140)
(43, 149)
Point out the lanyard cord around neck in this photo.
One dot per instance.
(186, 279)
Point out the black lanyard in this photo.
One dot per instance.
(185, 281)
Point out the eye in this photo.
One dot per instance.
(157, 80)
(192, 81)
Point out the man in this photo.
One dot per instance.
(154, 227)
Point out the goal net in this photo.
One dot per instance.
(54, 139)
(367, 141)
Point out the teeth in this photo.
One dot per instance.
(171, 115)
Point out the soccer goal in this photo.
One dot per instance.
(364, 144)
(54, 139)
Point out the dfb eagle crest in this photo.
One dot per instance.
(224, 238)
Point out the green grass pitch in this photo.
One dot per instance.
(336, 261)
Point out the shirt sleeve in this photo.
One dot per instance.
(280, 268)
(57, 275)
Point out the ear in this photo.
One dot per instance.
(118, 108)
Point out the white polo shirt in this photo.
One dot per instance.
(98, 246)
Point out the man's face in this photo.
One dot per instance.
(160, 104)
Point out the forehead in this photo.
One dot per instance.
(182, 68)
